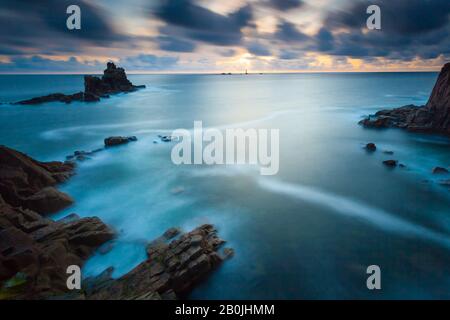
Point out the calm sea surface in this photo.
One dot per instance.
(308, 232)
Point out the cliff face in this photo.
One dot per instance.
(434, 117)
(438, 105)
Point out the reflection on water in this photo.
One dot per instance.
(309, 232)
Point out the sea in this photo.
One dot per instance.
(309, 232)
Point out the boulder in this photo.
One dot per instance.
(26, 182)
(371, 147)
(439, 170)
(48, 200)
(390, 163)
(118, 140)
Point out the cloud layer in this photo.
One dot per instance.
(212, 35)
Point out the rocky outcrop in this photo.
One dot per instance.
(27, 183)
(371, 147)
(114, 80)
(434, 117)
(440, 170)
(35, 251)
(170, 272)
(390, 163)
(116, 141)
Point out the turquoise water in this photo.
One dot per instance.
(308, 232)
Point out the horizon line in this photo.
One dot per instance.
(224, 73)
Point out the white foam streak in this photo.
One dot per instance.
(352, 208)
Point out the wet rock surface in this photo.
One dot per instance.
(27, 183)
(390, 163)
(440, 170)
(114, 80)
(170, 271)
(434, 117)
(35, 251)
(116, 141)
(371, 147)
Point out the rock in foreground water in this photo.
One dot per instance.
(170, 271)
(116, 141)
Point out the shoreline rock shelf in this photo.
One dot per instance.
(114, 80)
(170, 271)
(35, 251)
(434, 117)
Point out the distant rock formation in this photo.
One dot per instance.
(34, 251)
(114, 80)
(434, 117)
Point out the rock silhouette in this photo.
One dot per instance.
(434, 117)
(114, 80)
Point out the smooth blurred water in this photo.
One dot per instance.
(308, 232)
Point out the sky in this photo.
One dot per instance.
(214, 36)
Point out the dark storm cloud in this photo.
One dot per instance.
(404, 17)
(168, 43)
(258, 49)
(410, 28)
(185, 18)
(288, 55)
(288, 32)
(39, 64)
(149, 62)
(227, 52)
(29, 26)
(285, 5)
(72, 64)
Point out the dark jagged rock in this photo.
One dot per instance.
(440, 170)
(30, 184)
(171, 270)
(434, 117)
(34, 251)
(60, 97)
(114, 80)
(390, 163)
(371, 147)
(116, 141)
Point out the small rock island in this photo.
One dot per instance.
(114, 80)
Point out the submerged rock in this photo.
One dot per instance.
(114, 80)
(434, 117)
